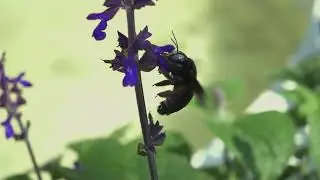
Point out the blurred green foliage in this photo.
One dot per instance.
(252, 37)
(261, 143)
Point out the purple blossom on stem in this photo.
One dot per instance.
(19, 80)
(113, 7)
(104, 17)
(14, 86)
(11, 86)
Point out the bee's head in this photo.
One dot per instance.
(178, 56)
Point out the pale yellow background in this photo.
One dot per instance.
(75, 95)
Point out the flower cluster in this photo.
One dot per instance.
(11, 86)
(154, 56)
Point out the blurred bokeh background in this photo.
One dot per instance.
(76, 95)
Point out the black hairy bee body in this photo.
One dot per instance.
(182, 74)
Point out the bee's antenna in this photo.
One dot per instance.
(174, 40)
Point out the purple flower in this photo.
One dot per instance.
(9, 132)
(113, 7)
(126, 65)
(104, 17)
(10, 86)
(153, 56)
(19, 80)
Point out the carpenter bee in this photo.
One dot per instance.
(182, 74)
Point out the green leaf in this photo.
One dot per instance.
(120, 132)
(304, 97)
(19, 177)
(306, 73)
(230, 90)
(53, 168)
(233, 88)
(175, 143)
(170, 165)
(106, 158)
(314, 124)
(101, 158)
(265, 141)
(222, 128)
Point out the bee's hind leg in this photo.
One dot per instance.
(164, 83)
(165, 94)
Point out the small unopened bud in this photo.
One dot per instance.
(219, 98)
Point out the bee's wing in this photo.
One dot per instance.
(199, 91)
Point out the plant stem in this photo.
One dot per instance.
(139, 94)
(29, 147)
(24, 130)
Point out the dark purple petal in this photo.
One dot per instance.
(159, 140)
(140, 41)
(131, 72)
(112, 3)
(21, 101)
(9, 132)
(25, 83)
(98, 32)
(163, 64)
(157, 137)
(95, 16)
(164, 49)
(99, 35)
(20, 76)
(144, 34)
(117, 64)
(142, 3)
(3, 99)
(102, 25)
(110, 13)
(155, 129)
(122, 40)
(148, 61)
(104, 16)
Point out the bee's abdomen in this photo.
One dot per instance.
(173, 104)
